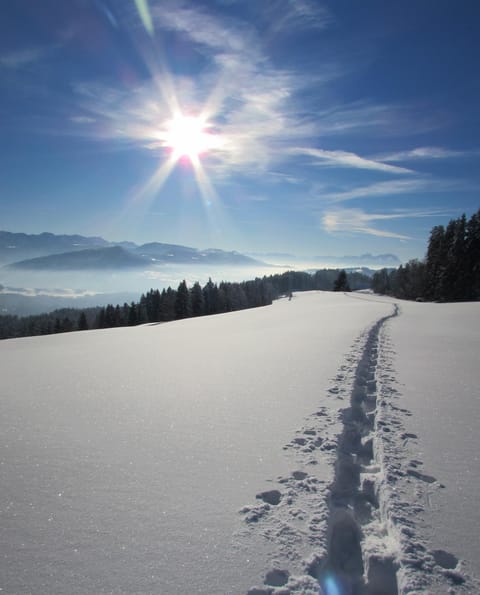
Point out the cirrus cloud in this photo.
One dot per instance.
(347, 159)
(358, 221)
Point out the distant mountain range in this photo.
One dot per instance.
(47, 251)
(375, 260)
(363, 259)
(51, 252)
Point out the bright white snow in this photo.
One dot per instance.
(437, 367)
(128, 453)
(211, 454)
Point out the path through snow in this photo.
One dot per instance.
(381, 526)
(351, 549)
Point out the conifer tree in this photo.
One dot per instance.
(183, 307)
(341, 282)
(132, 315)
(197, 301)
(473, 257)
(82, 322)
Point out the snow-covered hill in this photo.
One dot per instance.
(269, 447)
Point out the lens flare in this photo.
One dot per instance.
(330, 586)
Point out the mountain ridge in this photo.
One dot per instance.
(47, 251)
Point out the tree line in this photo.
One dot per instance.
(450, 271)
(59, 321)
(184, 302)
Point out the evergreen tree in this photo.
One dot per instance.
(451, 270)
(110, 318)
(183, 307)
(167, 304)
(197, 301)
(152, 305)
(119, 321)
(381, 282)
(82, 322)
(125, 314)
(132, 314)
(472, 285)
(436, 259)
(341, 282)
(210, 296)
(66, 325)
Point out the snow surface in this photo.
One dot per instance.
(272, 447)
(438, 372)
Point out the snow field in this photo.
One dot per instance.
(427, 397)
(331, 439)
(437, 373)
(128, 453)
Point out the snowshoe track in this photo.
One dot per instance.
(361, 554)
(357, 533)
(332, 516)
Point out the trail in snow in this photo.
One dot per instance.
(341, 519)
(359, 533)
(361, 553)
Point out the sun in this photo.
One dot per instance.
(185, 138)
(188, 137)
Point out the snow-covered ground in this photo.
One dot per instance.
(270, 447)
(437, 374)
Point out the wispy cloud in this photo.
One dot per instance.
(377, 119)
(422, 153)
(347, 159)
(250, 104)
(390, 188)
(358, 221)
(205, 28)
(24, 57)
(295, 14)
(259, 110)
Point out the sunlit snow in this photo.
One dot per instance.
(199, 456)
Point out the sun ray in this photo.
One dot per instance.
(148, 191)
(206, 188)
(138, 204)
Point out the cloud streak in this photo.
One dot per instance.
(297, 14)
(259, 110)
(206, 29)
(22, 58)
(422, 153)
(358, 221)
(348, 160)
(391, 188)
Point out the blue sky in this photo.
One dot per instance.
(333, 128)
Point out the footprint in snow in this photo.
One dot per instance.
(272, 497)
(445, 559)
(421, 476)
(408, 435)
(299, 475)
(277, 577)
